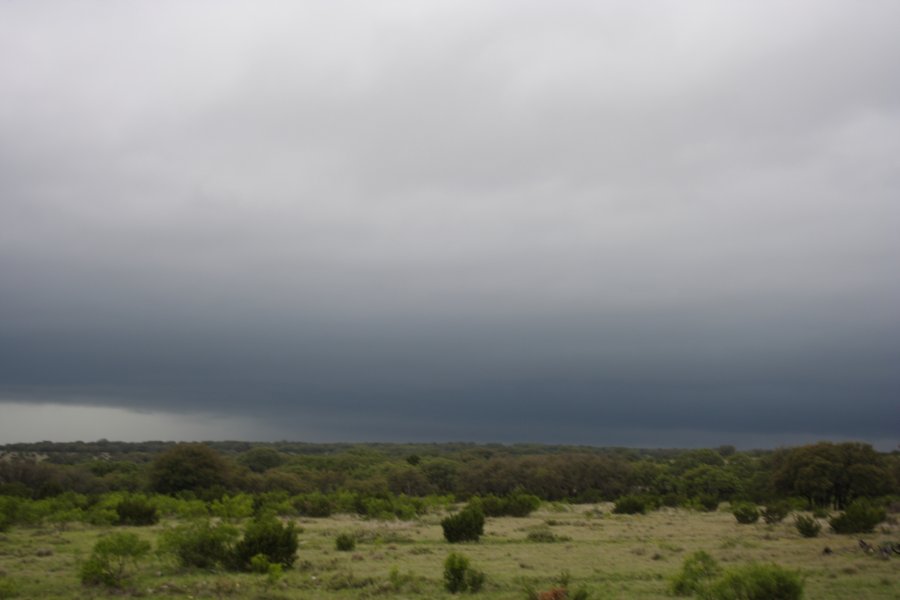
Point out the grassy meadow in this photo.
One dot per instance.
(611, 556)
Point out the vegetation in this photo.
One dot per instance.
(745, 513)
(189, 467)
(702, 576)
(201, 544)
(8, 588)
(630, 505)
(465, 526)
(807, 526)
(319, 480)
(609, 556)
(136, 511)
(224, 517)
(755, 582)
(860, 517)
(269, 538)
(517, 504)
(696, 573)
(775, 512)
(459, 576)
(345, 542)
(111, 557)
(827, 474)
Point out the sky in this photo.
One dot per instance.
(611, 223)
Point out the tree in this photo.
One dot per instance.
(261, 458)
(184, 467)
(709, 481)
(827, 473)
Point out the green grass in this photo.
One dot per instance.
(613, 556)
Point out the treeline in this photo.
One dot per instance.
(824, 474)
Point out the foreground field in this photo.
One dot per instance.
(612, 556)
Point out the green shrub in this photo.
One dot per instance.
(6, 520)
(269, 537)
(475, 580)
(696, 572)
(465, 526)
(708, 502)
(345, 542)
(745, 513)
(459, 576)
(234, 508)
(807, 526)
(517, 504)
(630, 505)
(860, 517)
(775, 513)
(201, 544)
(316, 504)
(671, 500)
(136, 511)
(490, 505)
(756, 582)
(520, 504)
(820, 512)
(9, 509)
(111, 557)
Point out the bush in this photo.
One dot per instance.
(520, 504)
(6, 520)
(345, 542)
(697, 571)
(630, 505)
(235, 508)
(136, 511)
(316, 504)
(775, 513)
(517, 504)
(111, 557)
(465, 526)
(708, 502)
(820, 512)
(807, 526)
(201, 544)
(860, 517)
(269, 537)
(745, 513)
(459, 576)
(756, 582)
(10, 507)
(671, 500)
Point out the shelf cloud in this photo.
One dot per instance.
(557, 222)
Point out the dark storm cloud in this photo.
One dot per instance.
(456, 220)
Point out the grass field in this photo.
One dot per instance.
(612, 556)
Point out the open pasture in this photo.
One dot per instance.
(612, 556)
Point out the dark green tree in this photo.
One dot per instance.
(261, 458)
(189, 467)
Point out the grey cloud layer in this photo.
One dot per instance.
(628, 216)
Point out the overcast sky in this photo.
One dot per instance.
(630, 223)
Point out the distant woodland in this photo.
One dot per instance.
(399, 479)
